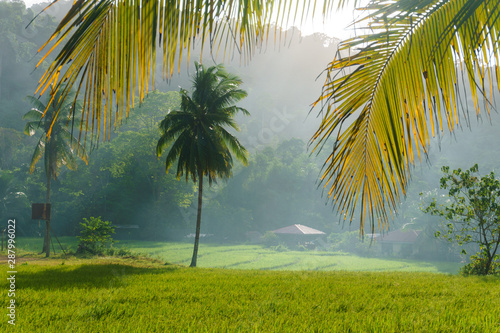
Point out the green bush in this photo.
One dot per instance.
(270, 239)
(95, 236)
(351, 242)
(301, 248)
(477, 266)
(280, 248)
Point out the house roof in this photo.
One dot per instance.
(399, 236)
(298, 229)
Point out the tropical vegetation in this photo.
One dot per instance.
(95, 235)
(472, 215)
(201, 144)
(386, 94)
(56, 144)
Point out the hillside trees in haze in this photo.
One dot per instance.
(18, 57)
(281, 85)
(124, 182)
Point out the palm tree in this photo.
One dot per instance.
(59, 148)
(201, 144)
(387, 91)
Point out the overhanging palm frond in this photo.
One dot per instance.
(109, 46)
(389, 91)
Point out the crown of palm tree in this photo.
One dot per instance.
(201, 143)
(61, 147)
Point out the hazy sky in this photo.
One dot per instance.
(335, 26)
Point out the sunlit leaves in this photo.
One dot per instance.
(108, 47)
(390, 90)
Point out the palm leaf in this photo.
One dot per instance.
(399, 89)
(108, 47)
(34, 115)
(37, 154)
(234, 145)
(36, 103)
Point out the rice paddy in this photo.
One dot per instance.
(320, 295)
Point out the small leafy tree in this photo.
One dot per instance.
(95, 235)
(472, 214)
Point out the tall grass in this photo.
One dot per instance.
(107, 296)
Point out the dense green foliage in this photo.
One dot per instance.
(109, 296)
(95, 235)
(18, 57)
(472, 214)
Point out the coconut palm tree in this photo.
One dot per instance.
(58, 149)
(201, 144)
(388, 91)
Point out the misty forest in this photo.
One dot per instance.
(318, 183)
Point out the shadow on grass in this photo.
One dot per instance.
(85, 276)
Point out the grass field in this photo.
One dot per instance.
(120, 295)
(284, 292)
(257, 257)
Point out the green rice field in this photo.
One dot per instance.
(116, 295)
(258, 257)
(291, 291)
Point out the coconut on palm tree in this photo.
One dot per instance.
(200, 142)
(58, 149)
(388, 91)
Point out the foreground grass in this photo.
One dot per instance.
(257, 257)
(111, 295)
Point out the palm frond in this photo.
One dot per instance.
(234, 145)
(34, 115)
(72, 143)
(30, 127)
(36, 103)
(108, 47)
(37, 154)
(390, 90)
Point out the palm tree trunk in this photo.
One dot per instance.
(198, 220)
(46, 240)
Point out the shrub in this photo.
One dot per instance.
(280, 248)
(301, 248)
(270, 239)
(479, 266)
(95, 236)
